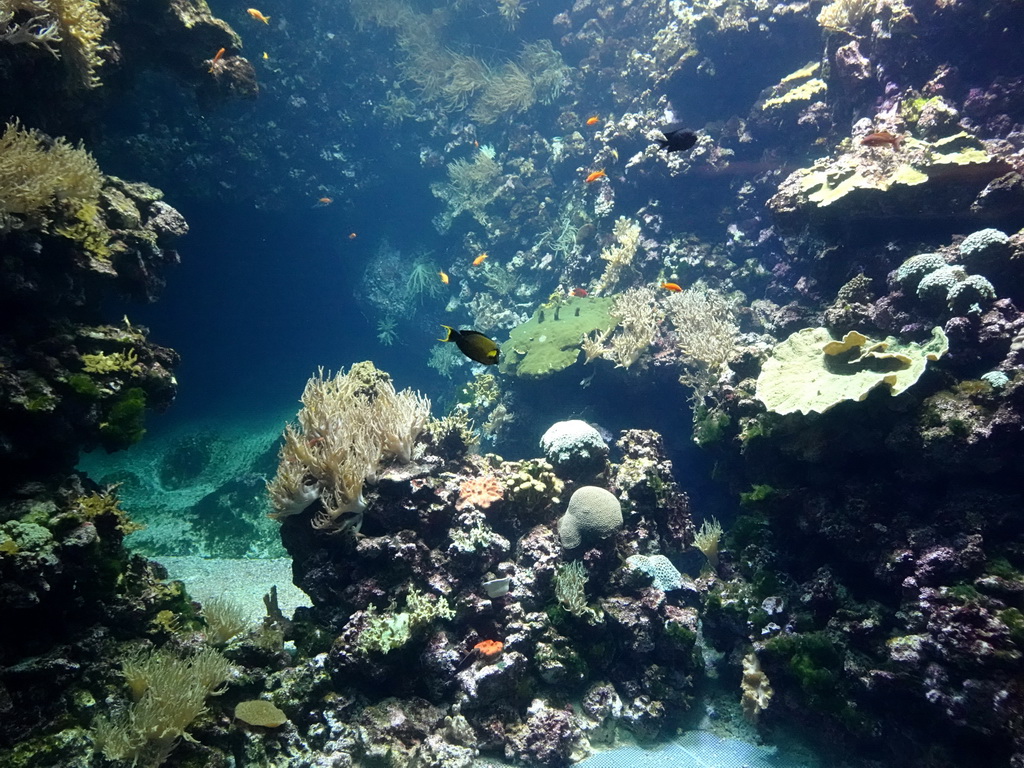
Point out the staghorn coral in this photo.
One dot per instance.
(30, 22)
(620, 254)
(71, 30)
(639, 317)
(706, 333)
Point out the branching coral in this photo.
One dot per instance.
(620, 254)
(29, 22)
(71, 30)
(706, 332)
(639, 316)
(348, 426)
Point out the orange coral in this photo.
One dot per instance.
(489, 649)
(480, 492)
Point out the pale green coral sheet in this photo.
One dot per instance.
(811, 372)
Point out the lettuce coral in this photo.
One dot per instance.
(550, 340)
(812, 372)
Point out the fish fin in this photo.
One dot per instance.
(448, 336)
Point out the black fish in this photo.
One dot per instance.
(677, 138)
(473, 345)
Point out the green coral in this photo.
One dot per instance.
(550, 340)
(385, 632)
(799, 87)
(811, 372)
(125, 423)
(917, 162)
(115, 362)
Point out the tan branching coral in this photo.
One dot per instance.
(756, 691)
(29, 22)
(71, 30)
(707, 334)
(348, 426)
(639, 317)
(620, 254)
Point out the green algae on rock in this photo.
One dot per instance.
(550, 340)
(812, 372)
(919, 179)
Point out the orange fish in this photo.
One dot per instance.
(217, 57)
(674, 287)
(323, 202)
(444, 276)
(593, 120)
(881, 138)
(578, 292)
(351, 235)
(257, 15)
(479, 259)
(595, 176)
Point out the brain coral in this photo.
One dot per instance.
(593, 513)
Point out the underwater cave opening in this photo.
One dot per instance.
(613, 401)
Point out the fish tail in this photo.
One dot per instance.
(448, 336)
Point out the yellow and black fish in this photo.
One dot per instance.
(473, 345)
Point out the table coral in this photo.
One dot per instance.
(811, 372)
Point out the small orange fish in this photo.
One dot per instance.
(323, 202)
(593, 120)
(674, 287)
(595, 176)
(578, 292)
(480, 259)
(444, 276)
(217, 57)
(351, 235)
(257, 15)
